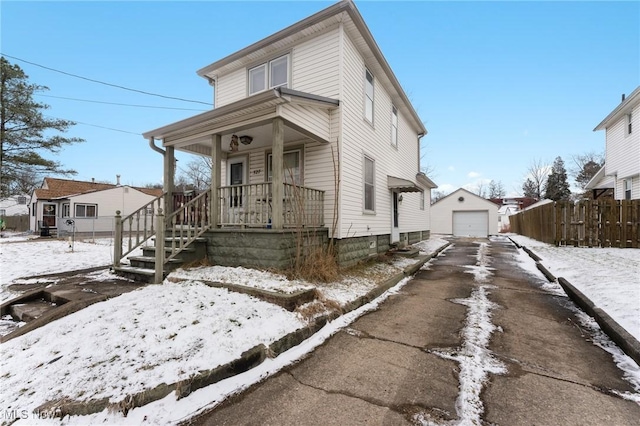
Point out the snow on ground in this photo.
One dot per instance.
(166, 332)
(24, 257)
(609, 277)
(158, 334)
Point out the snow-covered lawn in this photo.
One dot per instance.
(166, 333)
(609, 277)
(24, 256)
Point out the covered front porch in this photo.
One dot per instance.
(258, 148)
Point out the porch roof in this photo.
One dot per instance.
(251, 113)
(601, 181)
(402, 185)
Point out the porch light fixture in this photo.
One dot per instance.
(245, 140)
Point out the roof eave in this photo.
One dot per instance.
(619, 110)
(292, 29)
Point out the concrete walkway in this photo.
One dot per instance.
(402, 363)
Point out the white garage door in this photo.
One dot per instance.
(471, 224)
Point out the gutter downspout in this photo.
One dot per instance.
(153, 146)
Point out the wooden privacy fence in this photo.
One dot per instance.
(587, 223)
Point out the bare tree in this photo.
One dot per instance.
(496, 189)
(196, 174)
(536, 178)
(584, 167)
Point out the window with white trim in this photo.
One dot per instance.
(421, 200)
(628, 184)
(368, 96)
(66, 210)
(394, 126)
(86, 210)
(292, 167)
(274, 73)
(629, 123)
(369, 185)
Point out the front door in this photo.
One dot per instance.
(236, 177)
(395, 231)
(49, 212)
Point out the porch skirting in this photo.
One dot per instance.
(350, 251)
(259, 248)
(270, 248)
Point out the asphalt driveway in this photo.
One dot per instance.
(413, 361)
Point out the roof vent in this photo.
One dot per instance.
(623, 97)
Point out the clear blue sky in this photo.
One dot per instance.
(497, 84)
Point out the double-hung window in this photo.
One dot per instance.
(369, 185)
(394, 126)
(86, 210)
(629, 123)
(628, 184)
(274, 73)
(368, 96)
(292, 169)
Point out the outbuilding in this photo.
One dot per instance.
(464, 214)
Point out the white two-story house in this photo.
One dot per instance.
(620, 175)
(311, 130)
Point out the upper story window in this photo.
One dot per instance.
(22, 200)
(394, 126)
(271, 74)
(368, 96)
(86, 210)
(629, 123)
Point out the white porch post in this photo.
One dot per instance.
(216, 164)
(169, 179)
(277, 208)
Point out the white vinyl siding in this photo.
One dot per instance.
(623, 151)
(316, 65)
(231, 87)
(359, 137)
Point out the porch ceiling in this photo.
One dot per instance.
(252, 116)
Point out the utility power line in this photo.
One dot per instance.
(115, 103)
(105, 83)
(95, 125)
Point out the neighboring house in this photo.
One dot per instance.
(464, 214)
(60, 206)
(508, 206)
(15, 205)
(503, 216)
(311, 129)
(620, 175)
(14, 213)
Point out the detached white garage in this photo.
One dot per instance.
(464, 214)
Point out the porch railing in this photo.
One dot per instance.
(251, 206)
(188, 221)
(135, 229)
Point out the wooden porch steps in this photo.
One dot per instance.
(142, 268)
